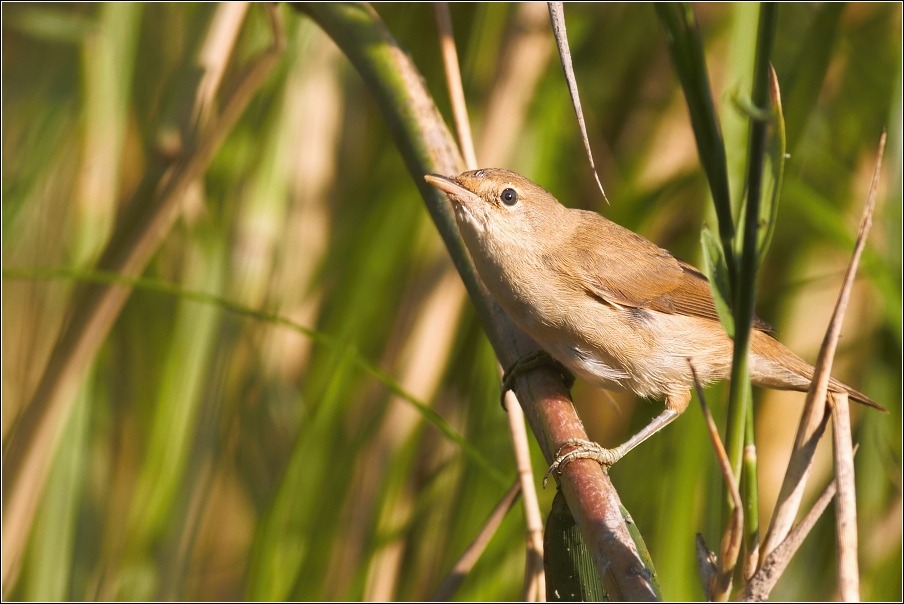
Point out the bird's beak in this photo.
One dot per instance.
(452, 188)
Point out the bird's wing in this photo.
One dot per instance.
(637, 273)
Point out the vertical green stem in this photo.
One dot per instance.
(745, 289)
(686, 48)
(750, 487)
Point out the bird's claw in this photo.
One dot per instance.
(532, 360)
(583, 449)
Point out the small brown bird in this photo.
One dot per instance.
(612, 307)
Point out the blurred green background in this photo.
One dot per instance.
(210, 455)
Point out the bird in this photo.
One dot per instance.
(608, 305)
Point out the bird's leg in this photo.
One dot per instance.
(532, 360)
(585, 449)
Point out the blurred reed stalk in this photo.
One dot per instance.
(157, 204)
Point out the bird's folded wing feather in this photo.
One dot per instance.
(637, 273)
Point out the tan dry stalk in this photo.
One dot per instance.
(472, 553)
(386, 564)
(453, 82)
(534, 575)
(720, 587)
(846, 503)
(808, 432)
(224, 30)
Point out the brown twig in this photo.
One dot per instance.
(805, 443)
(591, 497)
(472, 553)
(720, 587)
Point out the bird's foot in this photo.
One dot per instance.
(583, 449)
(532, 360)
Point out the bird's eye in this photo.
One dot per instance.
(509, 197)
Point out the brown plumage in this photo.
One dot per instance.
(612, 307)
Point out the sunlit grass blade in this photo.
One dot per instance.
(686, 48)
(108, 60)
(744, 291)
(774, 169)
(806, 76)
(750, 494)
(735, 124)
(716, 271)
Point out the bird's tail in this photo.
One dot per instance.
(772, 350)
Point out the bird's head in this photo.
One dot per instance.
(496, 207)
